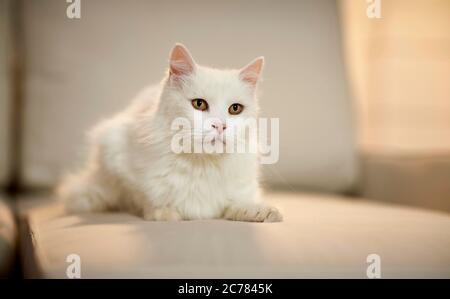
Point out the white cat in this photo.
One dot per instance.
(132, 165)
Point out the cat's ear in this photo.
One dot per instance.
(181, 62)
(251, 72)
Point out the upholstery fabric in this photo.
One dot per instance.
(8, 237)
(415, 180)
(322, 236)
(81, 70)
(5, 90)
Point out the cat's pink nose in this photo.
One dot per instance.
(219, 127)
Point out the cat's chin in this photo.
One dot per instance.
(218, 141)
(212, 150)
(214, 147)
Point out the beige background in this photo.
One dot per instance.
(399, 67)
(399, 70)
(79, 71)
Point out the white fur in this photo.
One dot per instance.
(131, 165)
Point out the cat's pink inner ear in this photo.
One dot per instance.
(251, 72)
(181, 62)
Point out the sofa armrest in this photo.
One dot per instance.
(410, 180)
(8, 237)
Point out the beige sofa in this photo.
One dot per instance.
(78, 71)
(322, 236)
(8, 237)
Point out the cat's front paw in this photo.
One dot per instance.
(253, 213)
(162, 214)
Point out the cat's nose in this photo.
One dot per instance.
(220, 127)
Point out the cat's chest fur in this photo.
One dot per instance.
(198, 186)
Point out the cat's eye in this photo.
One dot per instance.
(235, 109)
(199, 104)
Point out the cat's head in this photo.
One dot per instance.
(221, 100)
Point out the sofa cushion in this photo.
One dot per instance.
(407, 179)
(8, 237)
(81, 70)
(321, 236)
(5, 91)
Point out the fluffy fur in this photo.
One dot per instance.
(132, 167)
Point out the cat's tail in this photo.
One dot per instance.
(82, 192)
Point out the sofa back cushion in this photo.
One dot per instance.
(82, 70)
(5, 90)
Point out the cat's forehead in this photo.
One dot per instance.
(218, 74)
(212, 82)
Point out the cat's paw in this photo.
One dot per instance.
(162, 214)
(253, 213)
